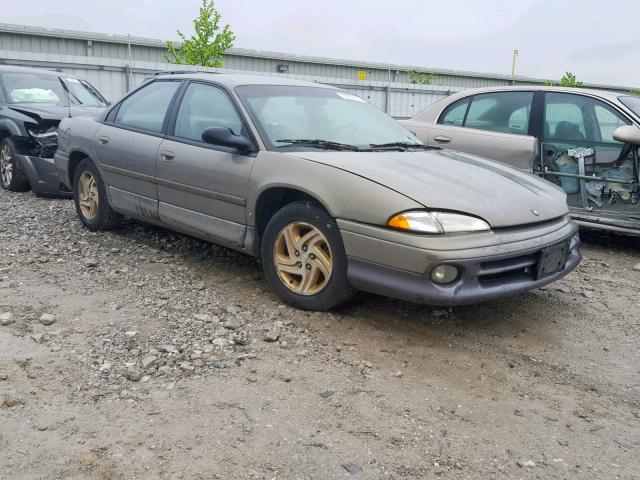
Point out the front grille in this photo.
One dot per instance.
(508, 269)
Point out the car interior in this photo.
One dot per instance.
(579, 154)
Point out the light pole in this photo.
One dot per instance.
(513, 63)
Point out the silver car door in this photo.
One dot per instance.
(492, 125)
(127, 145)
(202, 188)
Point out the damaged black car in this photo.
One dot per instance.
(32, 104)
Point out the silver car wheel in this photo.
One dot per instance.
(88, 196)
(302, 258)
(6, 166)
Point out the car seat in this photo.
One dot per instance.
(568, 131)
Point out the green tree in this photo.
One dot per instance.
(421, 78)
(209, 43)
(635, 91)
(569, 80)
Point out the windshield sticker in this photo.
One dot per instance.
(350, 96)
(73, 80)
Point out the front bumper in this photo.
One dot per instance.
(43, 176)
(505, 265)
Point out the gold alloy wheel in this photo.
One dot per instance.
(302, 258)
(6, 167)
(88, 197)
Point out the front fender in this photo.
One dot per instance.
(343, 194)
(14, 128)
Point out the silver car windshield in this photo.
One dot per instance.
(631, 102)
(307, 117)
(49, 90)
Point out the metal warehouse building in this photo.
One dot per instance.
(115, 64)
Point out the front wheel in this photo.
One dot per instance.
(11, 175)
(89, 194)
(304, 259)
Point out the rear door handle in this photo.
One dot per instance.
(442, 139)
(103, 140)
(167, 156)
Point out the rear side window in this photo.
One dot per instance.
(146, 108)
(454, 113)
(504, 112)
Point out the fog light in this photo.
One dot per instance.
(445, 274)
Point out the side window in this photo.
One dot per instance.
(519, 120)
(608, 121)
(563, 117)
(505, 112)
(204, 106)
(571, 117)
(147, 107)
(454, 113)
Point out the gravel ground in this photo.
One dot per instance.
(141, 353)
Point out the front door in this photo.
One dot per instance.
(127, 145)
(579, 154)
(202, 188)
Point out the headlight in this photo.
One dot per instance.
(437, 222)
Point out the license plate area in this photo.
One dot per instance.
(552, 260)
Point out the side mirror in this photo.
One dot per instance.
(627, 134)
(225, 137)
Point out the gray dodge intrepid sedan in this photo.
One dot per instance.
(332, 194)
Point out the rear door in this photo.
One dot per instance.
(127, 144)
(202, 188)
(494, 125)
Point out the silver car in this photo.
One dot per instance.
(332, 194)
(565, 135)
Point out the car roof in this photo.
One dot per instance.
(234, 80)
(39, 71)
(534, 88)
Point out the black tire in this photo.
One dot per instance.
(105, 218)
(337, 290)
(18, 180)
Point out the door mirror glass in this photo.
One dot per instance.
(627, 134)
(225, 137)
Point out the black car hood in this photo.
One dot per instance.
(53, 112)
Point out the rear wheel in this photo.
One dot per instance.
(90, 197)
(304, 259)
(11, 175)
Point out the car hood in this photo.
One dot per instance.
(447, 180)
(54, 112)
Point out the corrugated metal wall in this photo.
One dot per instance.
(115, 64)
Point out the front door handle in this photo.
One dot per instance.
(103, 140)
(167, 156)
(442, 139)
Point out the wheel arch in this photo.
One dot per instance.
(271, 199)
(9, 128)
(75, 157)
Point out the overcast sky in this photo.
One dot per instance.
(597, 40)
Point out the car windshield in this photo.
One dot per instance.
(632, 103)
(34, 88)
(311, 117)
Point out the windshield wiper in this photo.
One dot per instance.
(316, 142)
(402, 145)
